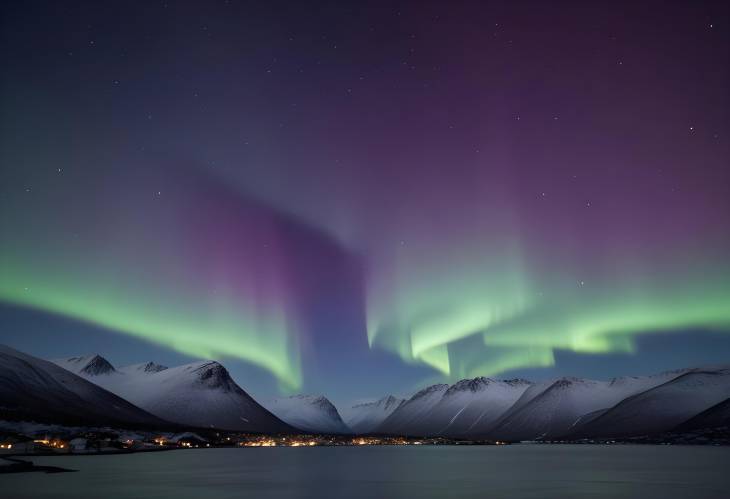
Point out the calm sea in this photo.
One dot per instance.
(518, 471)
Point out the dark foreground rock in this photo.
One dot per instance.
(21, 466)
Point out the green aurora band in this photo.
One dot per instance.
(519, 327)
(214, 326)
(480, 299)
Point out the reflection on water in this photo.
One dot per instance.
(519, 471)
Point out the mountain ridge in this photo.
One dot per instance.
(201, 393)
(90, 390)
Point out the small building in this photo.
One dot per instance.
(15, 443)
(188, 439)
(50, 444)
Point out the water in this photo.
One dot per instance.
(519, 471)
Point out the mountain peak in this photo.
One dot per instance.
(93, 365)
(567, 381)
(311, 413)
(152, 367)
(517, 381)
(472, 385)
(319, 401)
(324, 403)
(386, 402)
(429, 390)
(214, 375)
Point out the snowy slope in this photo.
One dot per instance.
(662, 407)
(471, 407)
(310, 413)
(468, 408)
(527, 396)
(33, 389)
(367, 416)
(199, 394)
(409, 417)
(552, 410)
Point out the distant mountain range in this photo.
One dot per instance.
(89, 390)
(566, 408)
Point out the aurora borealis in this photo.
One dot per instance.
(354, 199)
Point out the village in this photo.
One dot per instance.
(110, 441)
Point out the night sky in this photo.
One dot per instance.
(358, 199)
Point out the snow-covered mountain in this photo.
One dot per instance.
(514, 409)
(662, 407)
(552, 409)
(409, 417)
(310, 413)
(555, 409)
(90, 391)
(367, 416)
(33, 389)
(469, 407)
(199, 394)
(472, 406)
